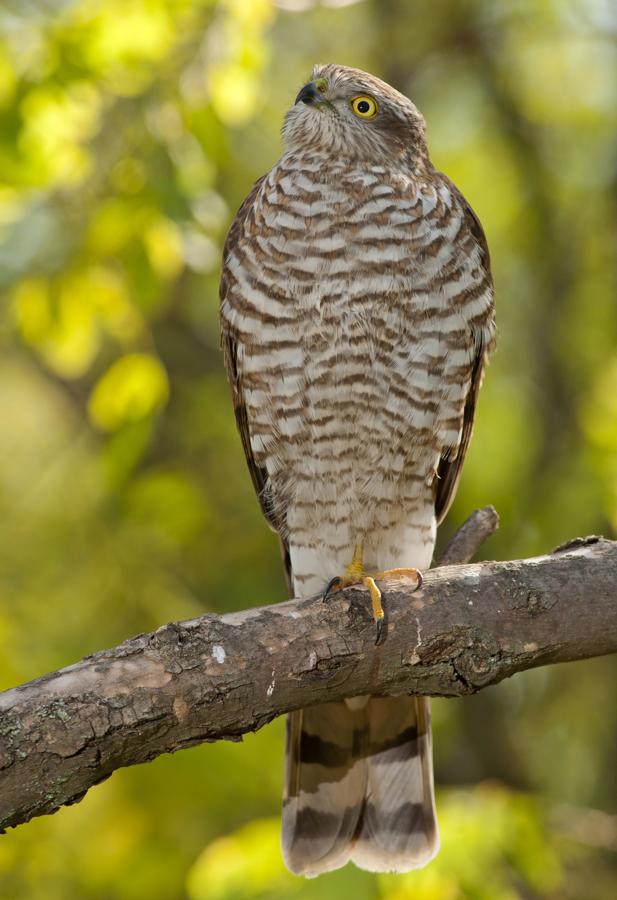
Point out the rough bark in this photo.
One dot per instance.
(218, 677)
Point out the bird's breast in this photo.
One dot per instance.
(339, 299)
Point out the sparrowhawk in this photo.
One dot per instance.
(357, 316)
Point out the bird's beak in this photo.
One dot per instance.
(309, 94)
(312, 96)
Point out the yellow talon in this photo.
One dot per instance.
(416, 574)
(369, 583)
(354, 574)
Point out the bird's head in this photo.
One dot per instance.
(347, 112)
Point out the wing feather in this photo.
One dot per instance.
(451, 462)
(229, 346)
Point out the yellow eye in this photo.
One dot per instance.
(364, 107)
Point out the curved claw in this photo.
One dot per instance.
(379, 630)
(333, 585)
(420, 581)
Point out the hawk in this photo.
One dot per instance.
(356, 318)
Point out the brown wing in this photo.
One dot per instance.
(259, 475)
(229, 347)
(449, 469)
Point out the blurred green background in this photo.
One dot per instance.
(130, 130)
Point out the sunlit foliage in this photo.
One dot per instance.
(130, 130)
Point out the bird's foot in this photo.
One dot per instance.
(359, 578)
(411, 572)
(355, 575)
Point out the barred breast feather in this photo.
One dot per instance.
(356, 313)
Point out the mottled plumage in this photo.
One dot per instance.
(356, 313)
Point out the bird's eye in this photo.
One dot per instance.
(364, 107)
(322, 85)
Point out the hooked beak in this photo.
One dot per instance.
(311, 95)
(308, 94)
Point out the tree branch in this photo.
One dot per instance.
(465, 543)
(221, 676)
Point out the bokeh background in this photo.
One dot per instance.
(130, 131)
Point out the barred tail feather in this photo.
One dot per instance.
(359, 786)
(398, 828)
(325, 783)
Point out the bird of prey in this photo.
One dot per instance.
(356, 316)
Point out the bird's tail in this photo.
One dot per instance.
(359, 786)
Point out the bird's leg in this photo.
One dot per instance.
(355, 574)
